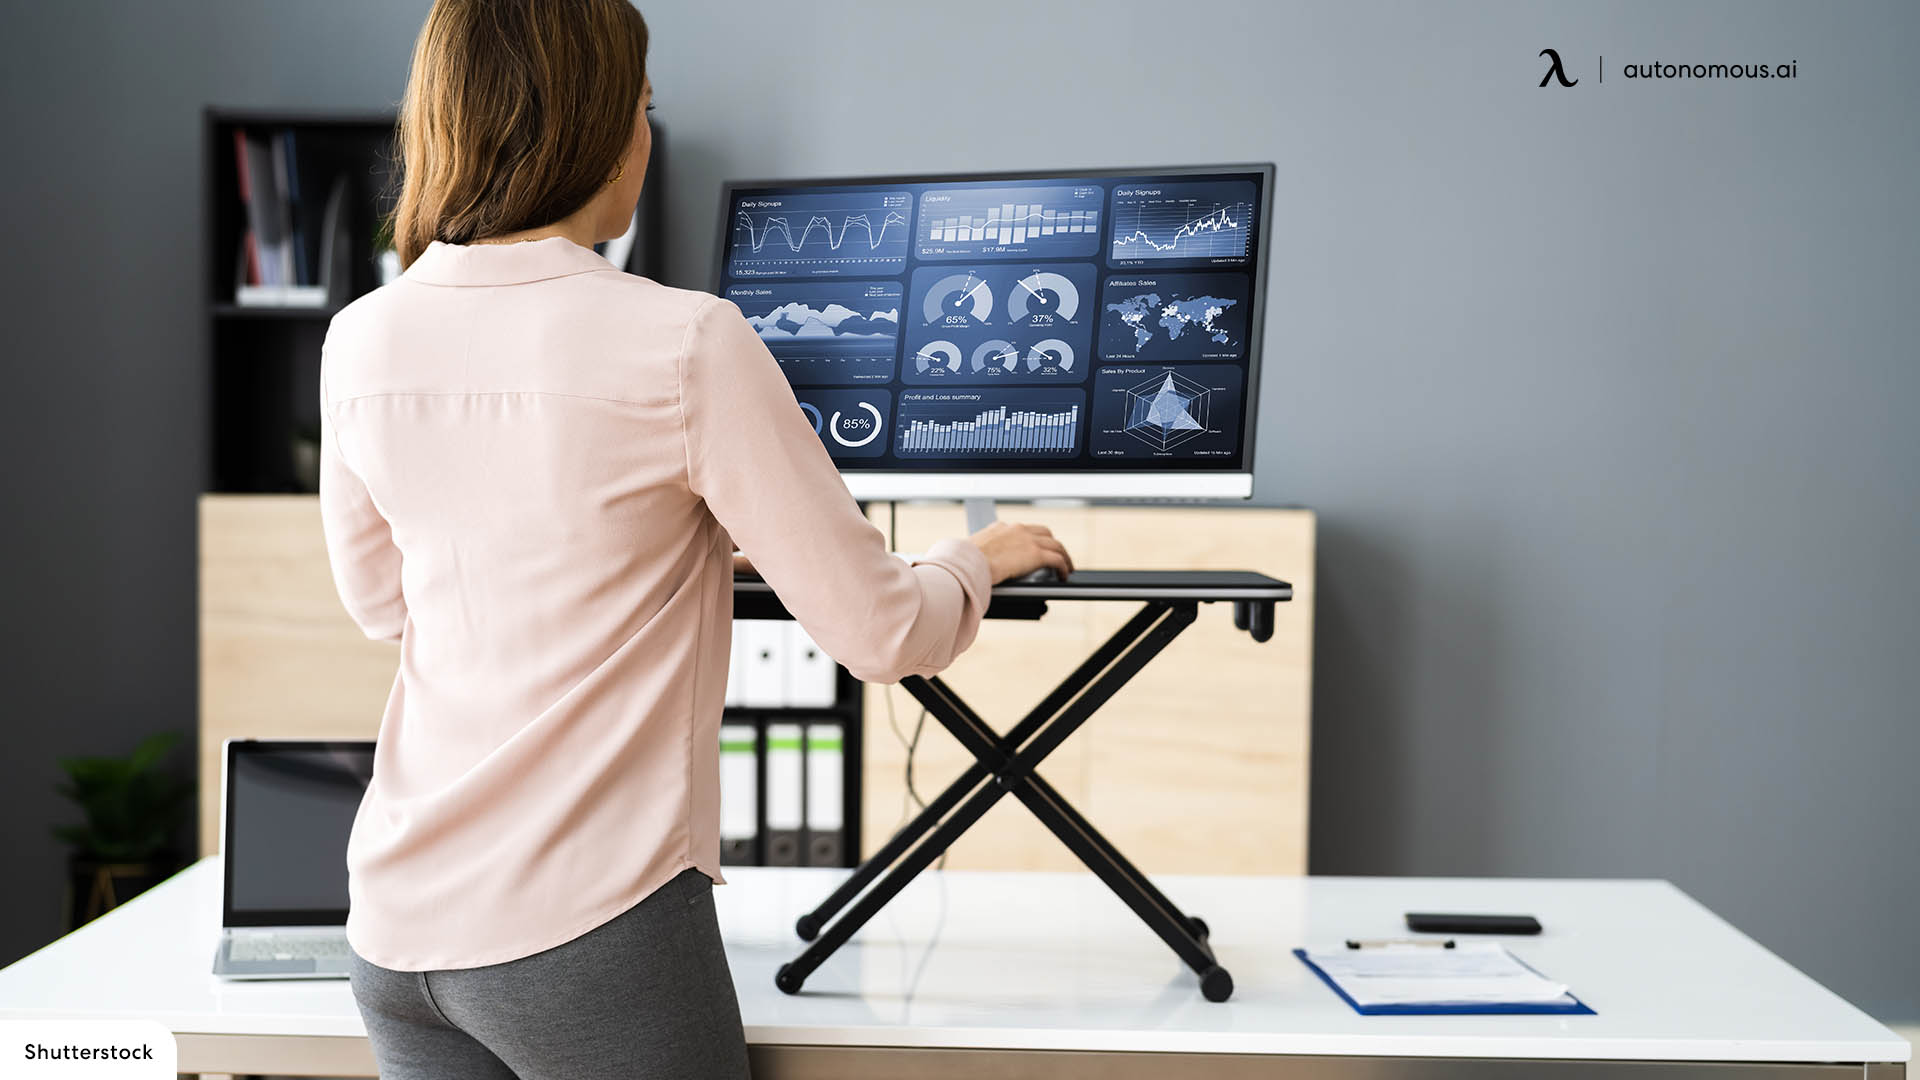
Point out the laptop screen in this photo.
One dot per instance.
(289, 810)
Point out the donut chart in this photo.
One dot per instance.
(859, 430)
(850, 422)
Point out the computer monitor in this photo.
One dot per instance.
(286, 813)
(1082, 333)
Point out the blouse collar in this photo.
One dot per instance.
(503, 264)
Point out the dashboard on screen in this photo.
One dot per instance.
(1082, 322)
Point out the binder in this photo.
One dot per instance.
(763, 675)
(736, 661)
(812, 676)
(786, 791)
(739, 794)
(826, 844)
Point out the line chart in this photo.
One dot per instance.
(816, 235)
(1205, 223)
(758, 239)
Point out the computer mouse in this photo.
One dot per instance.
(1046, 575)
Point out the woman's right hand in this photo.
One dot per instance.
(1013, 550)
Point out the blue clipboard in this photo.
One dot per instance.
(1572, 1007)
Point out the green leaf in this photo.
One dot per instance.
(149, 752)
(132, 807)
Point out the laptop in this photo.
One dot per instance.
(287, 807)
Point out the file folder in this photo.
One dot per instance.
(826, 844)
(739, 794)
(786, 791)
(763, 675)
(736, 653)
(812, 676)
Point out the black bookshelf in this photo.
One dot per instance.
(265, 364)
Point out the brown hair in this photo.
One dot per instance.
(517, 112)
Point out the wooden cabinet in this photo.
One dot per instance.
(1198, 766)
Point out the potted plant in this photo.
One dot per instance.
(134, 810)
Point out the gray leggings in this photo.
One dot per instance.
(647, 994)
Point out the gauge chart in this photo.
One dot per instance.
(1049, 357)
(996, 355)
(986, 296)
(1003, 423)
(1200, 223)
(1020, 323)
(1043, 293)
(937, 360)
(826, 332)
(810, 234)
(963, 299)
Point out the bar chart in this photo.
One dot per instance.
(957, 425)
(1053, 221)
(1012, 223)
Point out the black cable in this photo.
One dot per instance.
(912, 795)
(893, 724)
(918, 726)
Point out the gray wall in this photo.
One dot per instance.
(1600, 393)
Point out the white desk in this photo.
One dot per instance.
(1002, 974)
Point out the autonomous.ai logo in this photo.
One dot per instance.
(1555, 70)
(1732, 68)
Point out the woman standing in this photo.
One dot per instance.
(535, 472)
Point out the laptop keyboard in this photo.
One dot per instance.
(287, 947)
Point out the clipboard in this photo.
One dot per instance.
(1572, 1006)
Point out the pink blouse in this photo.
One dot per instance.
(535, 470)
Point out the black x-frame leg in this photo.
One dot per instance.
(1006, 763)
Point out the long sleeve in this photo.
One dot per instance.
(766, 478)
(360, 547)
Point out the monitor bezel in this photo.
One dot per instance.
(900, 483)
(252, 917)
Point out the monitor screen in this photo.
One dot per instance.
(289, 811)
(1072, 334)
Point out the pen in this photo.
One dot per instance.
(1381, 943)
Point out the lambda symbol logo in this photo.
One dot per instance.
(1555, 71)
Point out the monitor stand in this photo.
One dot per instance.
(980, 514)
